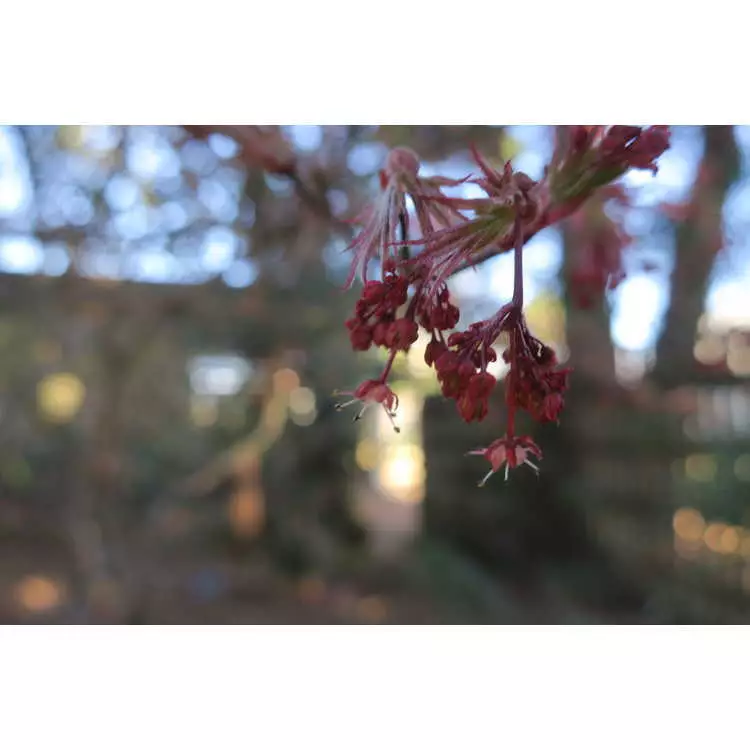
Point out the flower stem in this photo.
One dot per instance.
(518, 260)
(510, 386)
(387, 370)
(404, 236)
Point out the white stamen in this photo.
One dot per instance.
(391, 415)
(340, 407)
(484, 481)
(361, 411)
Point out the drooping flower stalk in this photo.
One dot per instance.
(513, 209)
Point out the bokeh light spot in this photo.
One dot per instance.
(38, 594)
(60, 396)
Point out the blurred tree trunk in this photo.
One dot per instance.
(698, 239)
(592, 358)
(578, 457)
(629, 507)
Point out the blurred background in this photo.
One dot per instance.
(171, 332)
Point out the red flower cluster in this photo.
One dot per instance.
(513, 209)
(375, 320)
(461, 369)
(534, 383)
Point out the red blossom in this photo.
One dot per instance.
(402, 334)
(433, 351)
(436, 312)
(508, 451)
(473, 402)
(368, 393)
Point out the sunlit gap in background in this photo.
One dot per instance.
(389, 502)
